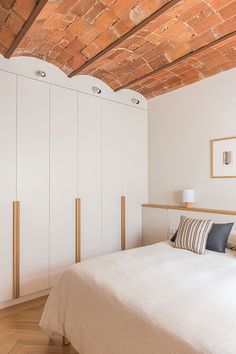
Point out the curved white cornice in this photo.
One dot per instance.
(30, 67)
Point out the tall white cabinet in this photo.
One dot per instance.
(89, 174)
(124, 172)
(7, 180)
(112, 175)
(63, 179)
(33, 183)
(57, 145)
(134, 171)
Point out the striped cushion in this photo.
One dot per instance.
(192, 234)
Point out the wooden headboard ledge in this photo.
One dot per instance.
(201, 210)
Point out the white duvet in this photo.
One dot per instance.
(150, 300)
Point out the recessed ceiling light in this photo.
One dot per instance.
(96, 90)
(135, 100)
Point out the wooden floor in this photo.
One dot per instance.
(21, 334)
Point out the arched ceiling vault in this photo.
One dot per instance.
(151, 46)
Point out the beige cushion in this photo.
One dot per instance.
(192, 234)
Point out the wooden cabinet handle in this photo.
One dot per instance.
(77, 229)
(123, 223)
(16, 249)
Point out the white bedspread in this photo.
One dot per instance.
(150, 300)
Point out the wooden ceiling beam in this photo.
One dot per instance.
(154, 16)
(179, 60)
(40, 5)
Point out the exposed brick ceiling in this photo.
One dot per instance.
(13, 16)
(70, 33)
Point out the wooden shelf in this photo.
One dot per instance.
(200, 210)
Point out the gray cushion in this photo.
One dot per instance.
(218, 237)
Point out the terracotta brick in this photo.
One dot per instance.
(141, 71)
(226, 27)
(105, 39)
(3, 50)
(230, 54)
(74, 47)
(76, 27)
(37, 26)
(121, 7)
(83, 6)
(94, 12)
(90, 50)
(64, 58)
(199, 9)
(14, 22)
(56, 36)
(3, 16)
(45, 49)
(228, 11)
(211, 71)
(76, 62)
(24, 8)
(126, 78)
(89, 35)
(158, 62)
(47, 11)
(7, 4)
(179, 51)
(190, 76)
(108, 2)
(182, 7)
(150, 6)
(202, 24)
(154, 38)
(202, 39)
(137, 14)
(64, 6)
(53, 54)
(178, 32)
(6, 37)
(122, 26)
(105, 20)
(217, 4)
(63, 43)
(53, 21)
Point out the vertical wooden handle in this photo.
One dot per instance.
(123, 223)
(77, 229)
(16, 249)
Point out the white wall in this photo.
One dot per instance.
(181, 125)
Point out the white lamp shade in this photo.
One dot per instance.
(188, 196)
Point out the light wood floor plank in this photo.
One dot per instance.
(20, 332)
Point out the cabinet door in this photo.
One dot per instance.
(7, 180)
(33, 183)
(63, 179)
(112, 166)
(89, 173)
(134, 171)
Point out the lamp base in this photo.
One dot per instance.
(188, 205)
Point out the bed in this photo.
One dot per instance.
(150, 300)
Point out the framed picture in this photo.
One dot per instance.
(223, 158)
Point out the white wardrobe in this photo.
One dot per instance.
(56, 145)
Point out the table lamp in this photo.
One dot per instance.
(188, 197)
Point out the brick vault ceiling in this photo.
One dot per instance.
(151, 46)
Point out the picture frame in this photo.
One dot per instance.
(223, 157)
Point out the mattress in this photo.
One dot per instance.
(149, 300)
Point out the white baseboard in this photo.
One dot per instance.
(24, 298)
